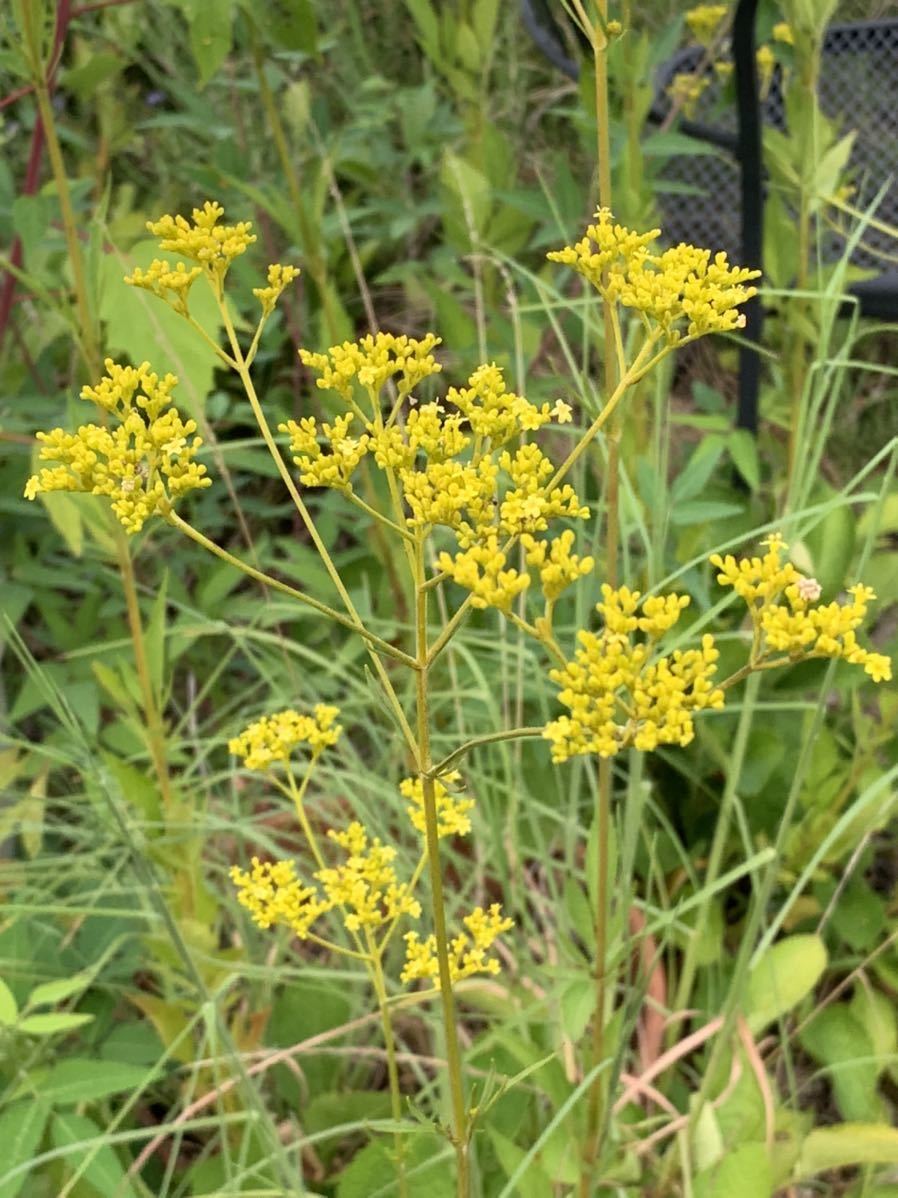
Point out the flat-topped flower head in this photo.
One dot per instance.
(274, 738)
(496, 415)
(203, 240)
(683, 292)
(621, 692)
(469, 952)
(373, 360)
(144, 462)
(366, 885)
(453, 809)
(558, 567)
(273, 895)
(785, 611)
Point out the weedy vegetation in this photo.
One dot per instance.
(440, 753)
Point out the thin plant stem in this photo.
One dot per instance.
(613, 387)
(374, 641)
(453, 1054)
(380, 989)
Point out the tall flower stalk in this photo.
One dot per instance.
(463, 486)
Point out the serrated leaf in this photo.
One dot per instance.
(787, 973)
(53, 1022)
(21, 1128)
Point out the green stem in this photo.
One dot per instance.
(305, 516)
(380, 990)
(453, 1054)
(374, 641)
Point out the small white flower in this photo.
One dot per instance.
(809, 589)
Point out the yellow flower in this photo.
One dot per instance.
(279, 277)
(782, 32)
(143, 465)
(558, 567)
(799, 627)
(213, 246)
(372, 361)
(529, 504)
(452, 809)
(494, 413)
(365, 885)
(705, 20)
(459, 495)
(619, 693)
(273, 738)
(273, 894)
(480, 569)
(469, 951)
(683, 292)
(333, 468)
(169, 284)
(766, 63)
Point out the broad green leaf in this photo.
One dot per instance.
(707, 1139)
(372, 1171)
(743, 449)
(9, 1008)
(744, 1172)
(78, 1079)
(53, 1022)
(21, 1128)
(787, 973)
(847, 1144)
(535, 1183)
(428, 27)
(837, 1040)
(694, 476)
(877, 1014)
(96, 1161)
(65, 516)
(141, 327)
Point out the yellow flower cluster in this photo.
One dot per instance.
(143, 464)
(273, 894)
(171, 284)
(273, 738)
(788, 619)
(683, 292)
(453, 817)
(204, 241)
(366, 884)
(620, 693)
(480, 569)
(704, 21)
(330, 467)
(279, 277)
(364, 887)
(372, 361)
(451, 463)
(558, 567)
(469, 951)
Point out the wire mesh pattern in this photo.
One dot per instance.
(700, 194)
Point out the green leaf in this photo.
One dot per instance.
(50, 993)
(847, 1144)
(700, 511)
(78, 1079)
(787, 973)
(694, 476)
(744, 451)
(53, 1022)
(534, 1183)
(9, 1008)
(372, 1171)
(427, 26)
(744, 1172)
(65, 516)
(836, 1039)
(98, 1163)
(21, 1129)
